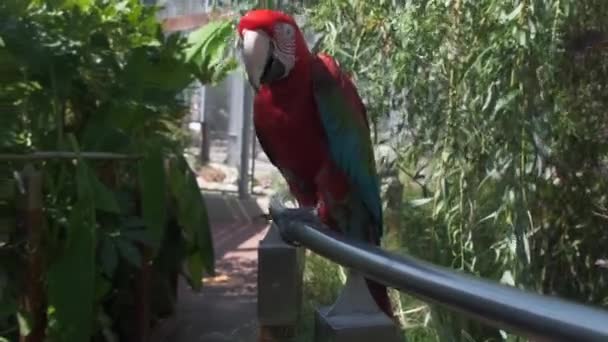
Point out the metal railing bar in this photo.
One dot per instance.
(541, 318)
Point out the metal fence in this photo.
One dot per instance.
(220, 127)
(219, 124)
(537, 317)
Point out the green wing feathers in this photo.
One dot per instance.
(345, 121)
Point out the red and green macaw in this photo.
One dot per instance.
(313, 126)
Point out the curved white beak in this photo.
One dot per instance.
(256, 47)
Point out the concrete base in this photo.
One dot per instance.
(355, 327)
(354, 317)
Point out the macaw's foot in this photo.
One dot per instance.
(304, 215)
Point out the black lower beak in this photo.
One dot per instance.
(273, 70)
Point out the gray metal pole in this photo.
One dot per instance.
(253, 156)
(205, 141)
(235, 123)
(529, 314)
(245, 140)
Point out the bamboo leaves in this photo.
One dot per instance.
(474, 84)
(25, 323)
(513, 14)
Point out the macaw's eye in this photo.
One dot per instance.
(284, 31)
(288, 31)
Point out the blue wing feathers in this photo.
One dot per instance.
(348, 135)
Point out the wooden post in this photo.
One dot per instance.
(33, 299)
(141, 286)
(142, 296)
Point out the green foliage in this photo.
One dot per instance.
(100, 75)
(367, 55)
(72, 273)
(500, 107)
(322, 284)
(154, 207)
(192, 216)
(207, 51)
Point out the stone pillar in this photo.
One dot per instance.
(280, 271)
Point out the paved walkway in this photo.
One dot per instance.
(225, 310)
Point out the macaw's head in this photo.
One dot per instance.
(272, 43)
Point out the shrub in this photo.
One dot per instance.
(502, 150)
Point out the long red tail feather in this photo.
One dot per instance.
(380, 294)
